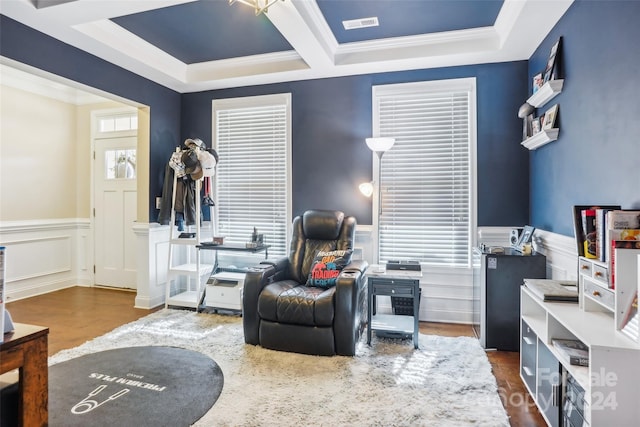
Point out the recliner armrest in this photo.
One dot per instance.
(350, 308)
(279, 264)
(255, 280)
(359, 265)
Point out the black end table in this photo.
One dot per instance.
(393, 283)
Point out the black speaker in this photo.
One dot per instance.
(514, 236)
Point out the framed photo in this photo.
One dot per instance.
(538, 81)
(535, 126)
(551, 70)
(526, 127)
(550, 117)
(525, 237)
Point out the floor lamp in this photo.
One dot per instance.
(378, 145)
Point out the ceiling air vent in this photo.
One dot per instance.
(361, 23)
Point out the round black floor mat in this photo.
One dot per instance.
(133, 386)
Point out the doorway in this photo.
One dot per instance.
(115, 198)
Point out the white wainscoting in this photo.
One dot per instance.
(46, 255)
(448, 296)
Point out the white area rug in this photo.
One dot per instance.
(447, 382)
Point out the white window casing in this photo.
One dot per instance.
(428, 183)
(252, 136)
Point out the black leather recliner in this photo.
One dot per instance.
(280, 312)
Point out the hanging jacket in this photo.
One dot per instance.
(185, 198)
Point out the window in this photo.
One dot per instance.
(252, 137)
(118, 123)
(427, 185)
(120, 164)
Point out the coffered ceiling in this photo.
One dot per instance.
(190, 45)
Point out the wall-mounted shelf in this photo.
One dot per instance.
(546, 93)
(541, 138)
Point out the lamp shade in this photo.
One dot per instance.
(380, 143)
(366, 188)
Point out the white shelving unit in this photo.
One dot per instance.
(187, 272)
(541, 138)
(612, 377)
(546, 93)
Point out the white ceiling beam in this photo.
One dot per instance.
(523, 25)
(110, 34)
(292, 18)
(81, 11)
(419, 47)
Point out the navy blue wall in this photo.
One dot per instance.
(596, 158)
(31, 47)
(332, 117)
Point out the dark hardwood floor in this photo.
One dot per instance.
(77, 314)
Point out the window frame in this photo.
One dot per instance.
(435, 86)
(256, 102)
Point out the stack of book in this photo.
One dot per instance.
(550, 290)
(573, 351)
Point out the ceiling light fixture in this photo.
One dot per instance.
(259, 6)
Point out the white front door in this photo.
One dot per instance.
(115, 212)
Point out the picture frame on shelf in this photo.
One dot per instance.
(551, 71)
(535, 126)
(550, 118)
(538, 81)
(527, 130)
(525, 237)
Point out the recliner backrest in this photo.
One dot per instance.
(318, 230)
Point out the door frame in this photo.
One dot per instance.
(95, 134)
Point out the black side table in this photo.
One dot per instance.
(391, 283)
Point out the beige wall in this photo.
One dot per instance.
(38, 157)
(45, 164)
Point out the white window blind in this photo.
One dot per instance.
(252, 178)
(426, 187)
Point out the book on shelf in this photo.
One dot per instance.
(602, 249)
(617, 221)
(589, 232)
(623, 231)
(578, 224)
(550, 290)
(573, 351)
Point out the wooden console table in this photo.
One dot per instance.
(27, 349)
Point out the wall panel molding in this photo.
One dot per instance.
(46, 255)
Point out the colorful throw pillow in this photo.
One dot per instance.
(326, 268)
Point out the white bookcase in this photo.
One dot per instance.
(612, 377)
